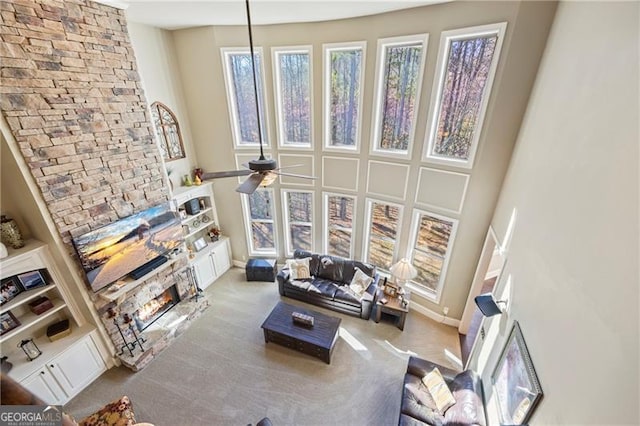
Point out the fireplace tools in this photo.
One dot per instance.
(127, 320)
(191, 276)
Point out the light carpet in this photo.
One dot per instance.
(221, 372)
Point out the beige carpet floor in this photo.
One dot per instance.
(221, 372)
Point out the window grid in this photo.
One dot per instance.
(259, 215)
(298, 217)
(339, 224)
(383, 229)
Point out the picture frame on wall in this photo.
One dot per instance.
(9, 288)
(32, 279)
(515, 381)
(8, 322)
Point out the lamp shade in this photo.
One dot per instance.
(403, 270)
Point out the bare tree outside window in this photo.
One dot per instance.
(339, 225)
(399, 95)
(241, 77)
(383, 232)
(299, 211)
(294, 97)
(431, 249)
(344, 96)
(262, 222)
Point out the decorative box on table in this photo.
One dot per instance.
(261, 270)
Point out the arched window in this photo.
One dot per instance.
(168, 132)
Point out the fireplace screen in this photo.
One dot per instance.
(156, 307)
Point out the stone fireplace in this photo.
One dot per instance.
(156, 307)
(74, 104)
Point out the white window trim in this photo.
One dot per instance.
(246, 211)
(325, 219)
(463, 197)
(376, 119)
(276, 52)
(231, 99)
(287, 169)
(436, 93)
(327, 48)
(286, 223)
(415, 222)
(367, 228)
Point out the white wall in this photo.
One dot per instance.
(199, 59)
(573, 257)
(158, 68)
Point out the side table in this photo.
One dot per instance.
(393, 307)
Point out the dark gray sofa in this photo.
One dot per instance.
(328, 275)
(465, 386)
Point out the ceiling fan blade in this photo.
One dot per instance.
(295, 175)
(290, 167)
(229, 173)
(251, 184)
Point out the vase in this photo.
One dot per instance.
(10, 233)
(3, 251)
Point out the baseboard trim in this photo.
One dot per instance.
(434, 315)
(239, 264)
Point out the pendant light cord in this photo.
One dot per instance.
(255, 80)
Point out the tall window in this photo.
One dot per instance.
(293, 96)
(298, 212)
(399, 77)
(467, 63)
(383, 229)
(344, 70)
(432, 240)
(241, 97)
(338, 228)
(168, 132)
(258, 209)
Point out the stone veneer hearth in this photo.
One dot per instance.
(73, 100)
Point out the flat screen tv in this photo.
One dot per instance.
(113, 251)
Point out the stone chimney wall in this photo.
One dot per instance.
(73, 100)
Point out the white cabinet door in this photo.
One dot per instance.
(77, 366)
(221, 258)
(204, 271)
(43, 385)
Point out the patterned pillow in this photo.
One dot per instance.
(439, 390)
(299, 268)
(360, 283)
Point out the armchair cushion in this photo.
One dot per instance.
(116, 413)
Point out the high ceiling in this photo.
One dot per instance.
(184, 14)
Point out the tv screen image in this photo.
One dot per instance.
(111, 252)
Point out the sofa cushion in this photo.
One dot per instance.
(314, 260)
(299, 268)
(345, 295)
(305, 285)
(417, 402)
(360, 283)
(439, 390)
(117, 413)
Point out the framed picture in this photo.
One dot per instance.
(31, 280)
(515, 382)
(8, 322)
(391, 289)
(199, 244)
(9, 289)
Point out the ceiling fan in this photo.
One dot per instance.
(262, 171)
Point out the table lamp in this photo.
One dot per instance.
(403, 271)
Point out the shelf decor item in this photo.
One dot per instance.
(3, 251)
(31, 280)
(10, 233)
(40, 305)
(199, 244)
(8, 322)
(9, 289)
(30, 349)
(58, 330)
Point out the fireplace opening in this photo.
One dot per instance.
(156, 307)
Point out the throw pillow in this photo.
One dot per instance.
(439, 390)
(299, 268)
(360, 283)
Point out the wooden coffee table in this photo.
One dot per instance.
(317, 340)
